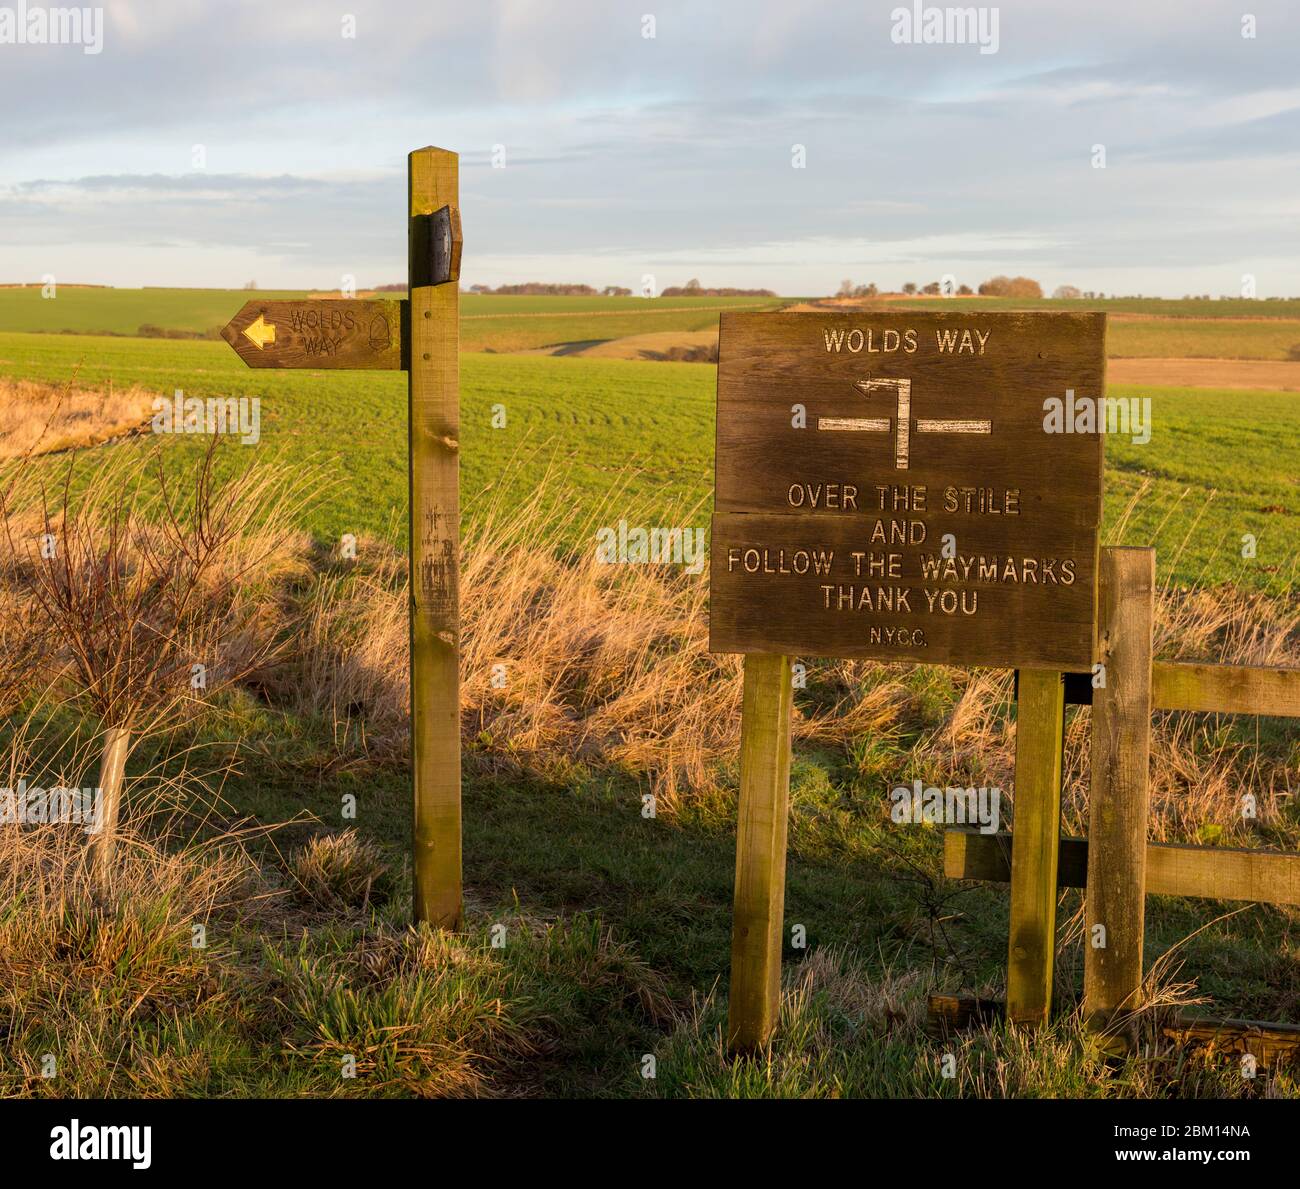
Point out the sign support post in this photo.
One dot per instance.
(765, 722)
(1031, 948)
(434, 375)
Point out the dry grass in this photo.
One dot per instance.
(847, 1032)
(1200, 765)
(38, 418)
(569, 662)
(565, 659)
(81, 977)
(148, 994)
(182, 980)
(607, 664)
(339, 870)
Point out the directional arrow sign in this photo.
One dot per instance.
(319, 334)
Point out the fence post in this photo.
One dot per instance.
(1036, 841)
(755, 996)
(1117, 812)
(435, 534)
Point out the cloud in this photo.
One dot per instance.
(622, 149)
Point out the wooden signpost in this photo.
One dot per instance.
(887, 487)
(421, 335)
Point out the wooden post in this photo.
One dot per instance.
(1031, 950)
(112, 776)
(760, 851)
(434, 373)
(1117, 817)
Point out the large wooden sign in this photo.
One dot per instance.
(890, 485)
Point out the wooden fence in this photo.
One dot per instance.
(1116, 865)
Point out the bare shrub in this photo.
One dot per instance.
(148, 596)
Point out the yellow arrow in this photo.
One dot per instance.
(260, 332)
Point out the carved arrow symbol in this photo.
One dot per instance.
(260, 332)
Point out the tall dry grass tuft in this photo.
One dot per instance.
(565, 659)
(80, 973)
(38, 418)
(339, 870)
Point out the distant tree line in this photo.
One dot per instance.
(546, 289)
(693, 288)
(994, 287)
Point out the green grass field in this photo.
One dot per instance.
(1220, 464)
(488, 322)
(124, 311)
(1192, 338)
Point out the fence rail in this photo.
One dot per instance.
(1216, 873)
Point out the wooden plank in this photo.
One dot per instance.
(968, 854)
(1229, 689)
(1031, 945)
(1266, 877)
(1117, 812)
(850, 445)
(756, 936)
(1211, 688)
(946, 1014)
(1270, 1043)
(1214, 873)
(988, 857)
(320, 334)
(435, 550)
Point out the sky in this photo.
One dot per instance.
(785, 144)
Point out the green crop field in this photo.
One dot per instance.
(1192, 338)
(1154, 328)
(1220, 464)
(500, 323)
(123, 311)
(514, 332)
